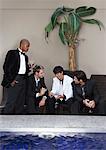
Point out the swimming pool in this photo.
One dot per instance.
(76, 141)
(52, 132)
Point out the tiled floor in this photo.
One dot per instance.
(52, 124)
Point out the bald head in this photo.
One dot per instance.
(24, 45)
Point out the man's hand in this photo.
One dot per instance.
(92, 104)
(61, 97)
(86, 102)
(51, 94)
(42, 102)
(14, 82)
(42, 91)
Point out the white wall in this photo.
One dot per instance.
(28, 18)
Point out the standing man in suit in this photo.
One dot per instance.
(62, 91)
(15, 73)
(86, 93)
(37, 91)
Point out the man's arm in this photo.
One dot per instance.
(54, 87)
(67, 87)
(8, 64)
(75, 93)
(96, 93)
(42, 81)
(30, 92)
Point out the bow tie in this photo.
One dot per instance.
(23, 53)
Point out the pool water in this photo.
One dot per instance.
(78, 141)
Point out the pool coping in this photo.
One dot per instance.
(47, 124)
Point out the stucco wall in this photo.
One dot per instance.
(28, 18)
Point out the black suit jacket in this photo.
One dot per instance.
(90, 89)
(32, 88)
(11, 67)
(32, 101)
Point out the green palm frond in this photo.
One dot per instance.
(58, 12)
(48, 29)
(84, 11)
(94, 21)
(80, 9)
(69, 21)
(74, 23)
(65, 9)
(62, 31)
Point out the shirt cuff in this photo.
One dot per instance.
(37, 95)
(45, 97)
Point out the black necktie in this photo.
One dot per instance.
(61, 81)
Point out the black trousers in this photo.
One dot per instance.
(53, 109)
(33, 106)
(88, 111)
(16, 96)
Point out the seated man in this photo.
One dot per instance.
(37, 91)
(61, 90)
(86, 93)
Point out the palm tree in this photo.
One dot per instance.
(70, 22)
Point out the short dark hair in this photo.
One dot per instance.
(58, 69)
(24, 41)
(80, 75)
(37, 68)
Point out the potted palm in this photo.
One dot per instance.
(70, 22)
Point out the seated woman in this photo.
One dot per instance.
(37, 94)
(86, 93)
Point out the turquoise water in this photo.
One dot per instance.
(79, 141)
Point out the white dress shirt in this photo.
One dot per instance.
(22, 68)
(62, 89)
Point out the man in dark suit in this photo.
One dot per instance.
(14, 80)
(86, 93)
(37, 91)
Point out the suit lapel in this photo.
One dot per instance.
(18, 56)
(36, 88)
